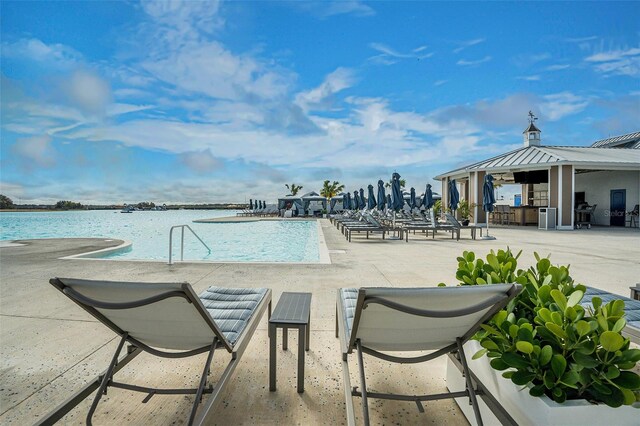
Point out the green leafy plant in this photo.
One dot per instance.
(437, 208)
(464, 209)
(547, 340)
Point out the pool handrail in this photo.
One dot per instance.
(182, 241)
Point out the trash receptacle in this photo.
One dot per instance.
(547, 218)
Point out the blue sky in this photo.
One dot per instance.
(195, 102)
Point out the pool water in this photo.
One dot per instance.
(264, 241)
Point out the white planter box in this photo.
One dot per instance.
(528, 410)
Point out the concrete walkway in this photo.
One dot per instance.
(50, 347)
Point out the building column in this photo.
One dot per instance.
(565, 196)
(444, 194)
(561, 189)
(478, 183)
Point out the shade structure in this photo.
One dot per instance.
(349, 202)
(363, 202)
(454, 195)
(314, 197)
(258, 204)
(356, 200)
(382, 199)
(396, 192)
(389, 201)
(371, 201)
(412, 199)
(250, 204)
(264, 204)
(427, 201)
(488, 200)
(346, 200)
(335, 200)
(287, 200)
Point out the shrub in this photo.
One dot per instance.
(544, 337)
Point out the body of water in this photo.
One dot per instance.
(264, 241)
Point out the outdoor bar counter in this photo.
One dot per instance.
(525, 215)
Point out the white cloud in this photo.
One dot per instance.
(529, 78)
(557, 67)
(617, 62)
(36, 149)
(209, 68)
(559, 105)
(390, 56)
(440, 82)
(87, 91)
(530, 59)
(321, 96)
(468, 43)
(327, 9)
(201, 162)
(53, 55)
(465, 62)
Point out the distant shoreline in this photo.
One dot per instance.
(94, 208)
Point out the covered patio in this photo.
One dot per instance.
(566, 186)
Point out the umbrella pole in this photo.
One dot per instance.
(394, 237)
(488, 237)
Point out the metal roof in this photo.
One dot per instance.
(630, 140)
(540, 156)
(532, 128)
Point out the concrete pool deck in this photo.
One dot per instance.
(50, 347)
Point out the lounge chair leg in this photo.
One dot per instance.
(203, 381)
(470, 390)
(106, 379)
(363, 384)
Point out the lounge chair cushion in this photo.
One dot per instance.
(349, 298)
(231, 308)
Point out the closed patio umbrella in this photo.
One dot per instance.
(389, 202)
(381, 197)
(398, 199)
(396, 192)
(264, 204)
(427, 201)
(488, 200)
(356, 200)
(454, 196)
(363, 203)
(250, 204)
(371, 201)
(345, 201)
(349, 204)
(412, 199)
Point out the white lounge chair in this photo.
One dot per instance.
(167, 320)
(439, 319)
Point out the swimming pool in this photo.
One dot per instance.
(263, 241)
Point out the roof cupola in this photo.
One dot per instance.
(532, 133)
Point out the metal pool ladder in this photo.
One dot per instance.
(182, 241)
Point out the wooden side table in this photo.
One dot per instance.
(292, 311)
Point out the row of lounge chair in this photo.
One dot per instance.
(264, 212)
(170, 320)
(403, 223)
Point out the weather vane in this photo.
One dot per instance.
(532, 117)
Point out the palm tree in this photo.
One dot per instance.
(293, 188)
(403, 182)
(331, 189)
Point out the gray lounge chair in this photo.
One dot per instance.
(167, 320)
(451, 220)
(412, 320)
